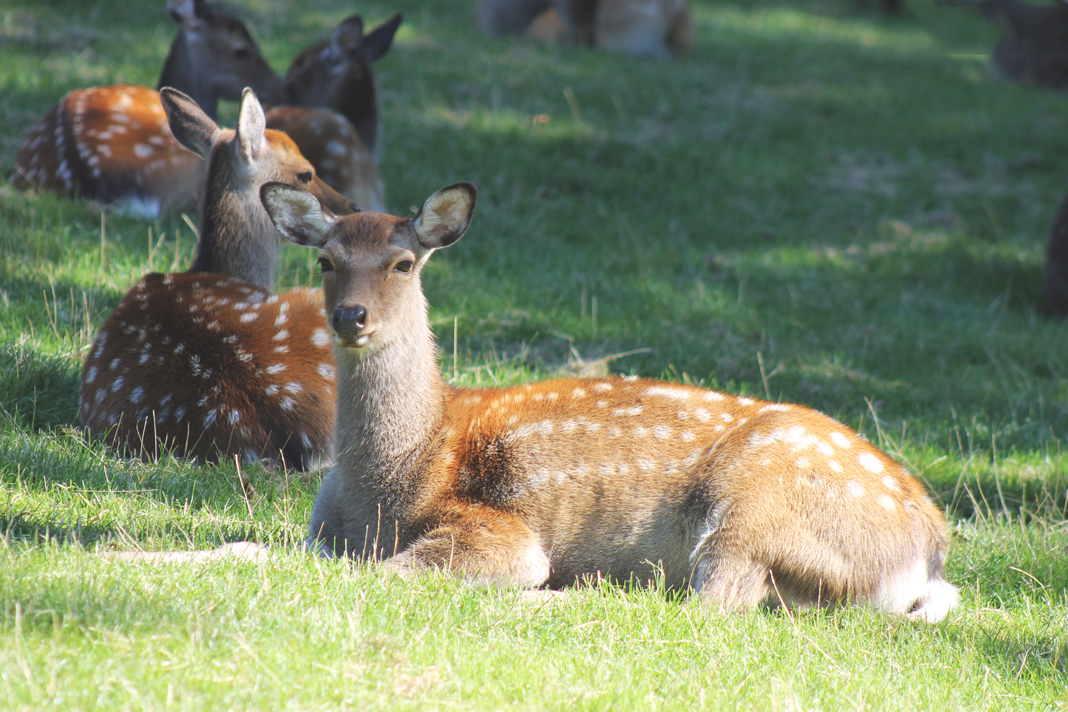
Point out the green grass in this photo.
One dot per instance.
(819, 205)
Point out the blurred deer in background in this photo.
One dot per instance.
(1033, 48)
(640, 27)
(331, 108)
(208, 364)
(112, 144)
(743, 501)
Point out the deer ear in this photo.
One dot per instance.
(380, 40)
(251, 125)
(297, 214)
(347, 38)
(190, 125)
(445, 215)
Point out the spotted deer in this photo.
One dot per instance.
(745, 502)
(112, 144)
(331, 108)
(208, 363)
(653, 28)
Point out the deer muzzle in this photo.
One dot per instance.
(350, 326)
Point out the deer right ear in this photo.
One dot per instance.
(297, 214)
(190, 125)
(445, 215)
(378, 42)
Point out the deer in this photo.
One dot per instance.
(112, 144)
(654, 28)
(1032, 47)
(742, 502)
(209, 364)
(331, 108)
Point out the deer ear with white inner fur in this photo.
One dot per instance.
(190, 125)
(445, 215)
(251, 125)
(297, 214)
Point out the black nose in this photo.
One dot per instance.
(348, 322)
(354, 207)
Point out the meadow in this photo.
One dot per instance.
(818, 205)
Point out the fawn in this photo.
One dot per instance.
(743, 501)
(640, 27)
(208, 363)
(112, 144)
(331, 108)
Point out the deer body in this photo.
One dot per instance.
(744, 501)
(112, 144)
(638, 27)
(209, 364)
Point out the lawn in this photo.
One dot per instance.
(818, 205)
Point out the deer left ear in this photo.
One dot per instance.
(445, 215)
(297, 214)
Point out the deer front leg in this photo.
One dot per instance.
(486, 548)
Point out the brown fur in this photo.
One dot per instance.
(208, 364)
(744, 501)
(112, 144)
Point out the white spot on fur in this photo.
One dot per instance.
(249, 316)
(686, 436)
(271, 389)
(887, 502)
(833, 464)
(669, 392)
(662, 432)
(293, 387)
(890, 483)
(712, 396)
(602, 386)
(854, 488)
(870, 462)
(276, 368)
(91, 375)
(578, 393)
(280, 335)
(746, 402)
(840, 440)
(287, 403)
(327, 371)
(802, 462)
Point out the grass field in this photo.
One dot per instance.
(818, 205)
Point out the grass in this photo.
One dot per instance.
(819, 205)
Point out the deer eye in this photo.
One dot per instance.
(241, 53)
(305, 176)
(325, 265)
(404, 266)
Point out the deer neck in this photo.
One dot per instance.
(180, 71)
(237, 237)
(391, 404)
(356, 101)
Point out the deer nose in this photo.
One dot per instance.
(348, 322)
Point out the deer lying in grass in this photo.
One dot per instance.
(112, 144)
(209, 364)
(639, 27)
(743, 501)
(331, 108)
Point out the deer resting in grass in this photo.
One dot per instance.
(743, 501)
(331, 108)
(112, 144)
(638, 27)
(209, 363)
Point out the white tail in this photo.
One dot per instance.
(209, 364)
(744, 501)
(639, 27)
(112, 144)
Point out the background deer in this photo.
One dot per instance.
(331, 108)
(640, 27)
(744, 501)
(113, 144)
(1033, 47)
(208, 363)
